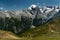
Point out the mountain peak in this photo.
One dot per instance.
(32, 6)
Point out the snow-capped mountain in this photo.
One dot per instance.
(19, 21)
(44, 13)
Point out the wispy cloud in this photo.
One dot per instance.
(1, 8)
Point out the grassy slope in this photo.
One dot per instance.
(39, 33)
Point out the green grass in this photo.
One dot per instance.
(39, 33)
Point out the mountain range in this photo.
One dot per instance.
(23, 20)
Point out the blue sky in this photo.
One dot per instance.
(23, 4)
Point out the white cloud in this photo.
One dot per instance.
(1, 8)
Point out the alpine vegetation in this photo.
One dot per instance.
(20, 21)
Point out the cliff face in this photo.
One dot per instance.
(20, 21)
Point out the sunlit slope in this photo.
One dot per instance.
(7, 35)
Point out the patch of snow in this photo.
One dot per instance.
(57, 10)
(32, 27)
(32, 6)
